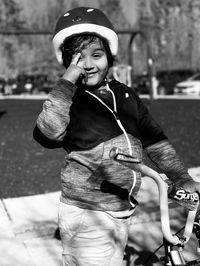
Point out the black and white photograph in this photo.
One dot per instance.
(99, 133)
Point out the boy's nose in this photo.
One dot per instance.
(88, 63)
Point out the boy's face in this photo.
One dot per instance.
(94, 61)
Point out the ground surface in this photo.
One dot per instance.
(26, 168)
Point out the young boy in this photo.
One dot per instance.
(88, 116)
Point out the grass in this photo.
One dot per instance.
(26, 168)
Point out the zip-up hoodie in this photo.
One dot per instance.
(88, 126)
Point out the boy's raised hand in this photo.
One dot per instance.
(74, 71)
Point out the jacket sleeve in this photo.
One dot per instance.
(164, 156)
(44, 141)
(52, 122)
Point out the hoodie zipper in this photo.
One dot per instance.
(114, 112)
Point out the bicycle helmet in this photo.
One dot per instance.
(84, 20)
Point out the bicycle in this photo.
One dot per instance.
(173, 243)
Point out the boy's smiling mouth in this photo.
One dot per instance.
(91, 74)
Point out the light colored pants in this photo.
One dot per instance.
(91, 238)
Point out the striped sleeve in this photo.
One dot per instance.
(54, 118)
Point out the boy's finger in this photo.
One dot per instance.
(75, 59)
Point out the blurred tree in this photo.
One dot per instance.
(10, 18)
(175, 31)
(54, 11)
(173, 27)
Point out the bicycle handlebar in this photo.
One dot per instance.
(134, 164)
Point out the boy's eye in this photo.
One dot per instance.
(97, 55)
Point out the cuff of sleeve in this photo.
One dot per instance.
(65, 87)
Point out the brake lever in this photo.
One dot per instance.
(115, 154)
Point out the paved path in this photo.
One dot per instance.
(28, 224)
(27, 227)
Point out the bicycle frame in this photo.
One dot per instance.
(172, 257)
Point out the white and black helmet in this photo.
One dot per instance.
(84, 20)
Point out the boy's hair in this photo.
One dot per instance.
(74, 45)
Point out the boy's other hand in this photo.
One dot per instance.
(74, 71)
(191, 186)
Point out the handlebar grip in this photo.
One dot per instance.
(183, 197)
